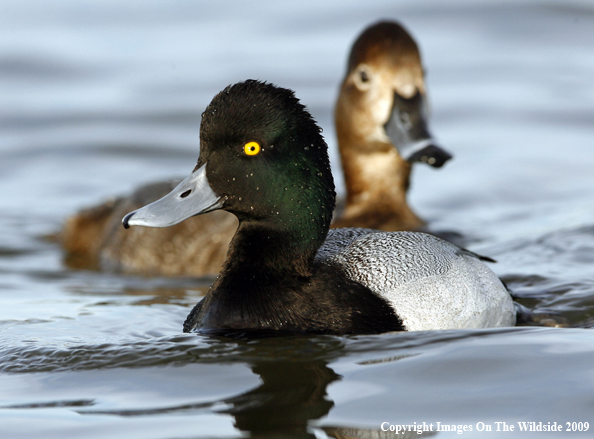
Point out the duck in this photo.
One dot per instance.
(381, 126)
(380, 121)
(263, 159)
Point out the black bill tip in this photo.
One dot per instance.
(127, 219)
(433, 155)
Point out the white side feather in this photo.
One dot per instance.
(430, 283)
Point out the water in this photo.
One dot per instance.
(98, 97)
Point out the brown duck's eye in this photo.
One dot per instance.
(251, 148)
(363, 77)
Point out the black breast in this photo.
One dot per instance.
(325, 303)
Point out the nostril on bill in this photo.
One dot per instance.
(186, 193)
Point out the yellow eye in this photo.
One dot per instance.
(251, 148)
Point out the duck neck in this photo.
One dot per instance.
(376, 183)
(375, 176)
(273, 251)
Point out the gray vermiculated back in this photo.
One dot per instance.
(402, 257)
(430, 283)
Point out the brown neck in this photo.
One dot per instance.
(376, 183)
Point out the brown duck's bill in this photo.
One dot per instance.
(407, 130)
(431, 154)
(193, 196)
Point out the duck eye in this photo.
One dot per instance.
(251, 148)
(363, 77)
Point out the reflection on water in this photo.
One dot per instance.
(98, 97)
(302, 386)
(266, 412)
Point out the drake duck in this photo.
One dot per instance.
(381, 129)
(263, 159)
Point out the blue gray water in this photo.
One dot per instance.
(97, 97)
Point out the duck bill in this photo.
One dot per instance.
(193, 196)
(407, 130)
